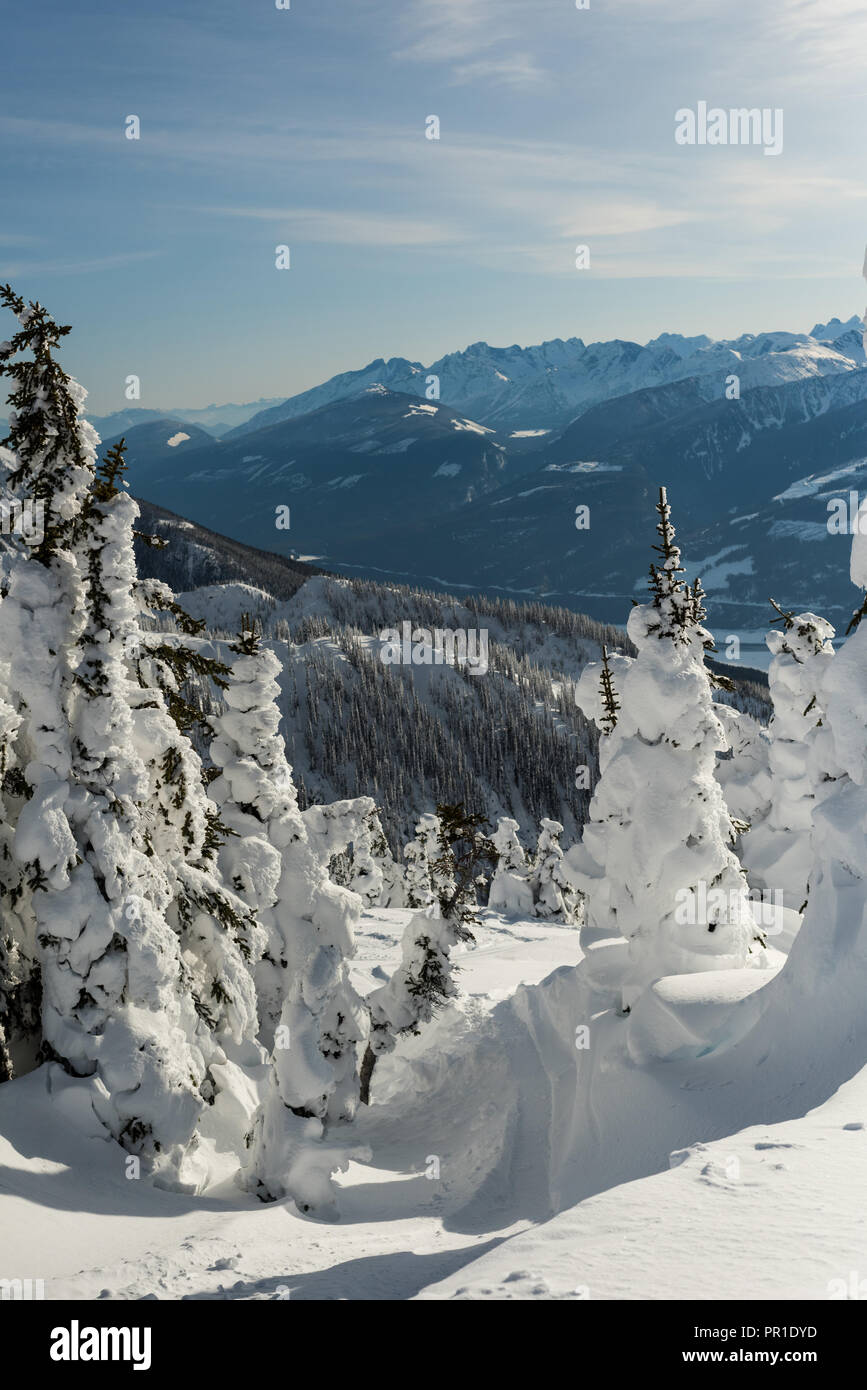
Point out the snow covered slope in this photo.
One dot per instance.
(321, 481)
(506, 1164)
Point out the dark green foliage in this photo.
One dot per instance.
(463, 849)
(610, 702)
(44, 453)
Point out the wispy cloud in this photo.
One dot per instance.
(84, 267)
(346, 227)
(517, 71)
(480, 40)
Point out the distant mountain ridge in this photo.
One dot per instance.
(385, 484)
(547, 385)
(339, 474)
(214, 420)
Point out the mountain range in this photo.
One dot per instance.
(375, 481)
(544, 387)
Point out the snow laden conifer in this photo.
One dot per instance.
(220, 937)
(554, 897)
(112, 1006)
(776, 851)
(424, 980)
(826, 954)
(418, 854)
(393, 891)
(375, 876)
(311, 1017)
(656, 861)
(510, 887)
(20, 988)
(743, 770)
(366, 879)
(138, 1020)
(49, 466)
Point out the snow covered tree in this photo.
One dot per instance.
(112, 1005)
(656, 861)
(373, 874)
(418, 854)
(424, 980)
(50, 464)
(393, 890)
(825, 961)
(554, 896)
(776, 851)
(366, 879)
(743, 770)
(510, 888)
(220, 937)
(311, 1018)
(20, 986)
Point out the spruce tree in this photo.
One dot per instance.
(20, 983)
(656, 862)
(554, 897)
(220, 936)
(776, 851)
(424, 980)
(393, 891)
(510, 889)
(311, 1019)
(418, 854)
(50, 466)
(112, 1005)
(608, 695)
(375, 877)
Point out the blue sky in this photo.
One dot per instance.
(306, 127)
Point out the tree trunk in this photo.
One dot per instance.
(368, 1062)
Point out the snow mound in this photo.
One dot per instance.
(221, 605)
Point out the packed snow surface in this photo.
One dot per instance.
(507, 1161)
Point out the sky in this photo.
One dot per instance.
(306, 127)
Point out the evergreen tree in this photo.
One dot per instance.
(608, 695)
(112, 1005)
(424, 980)
(311, 1018)
(656, 862)
(220, 937)
(554, 896)
(50, 466)
(366, 879)
(743, 770)
(418, 854)
(374, 875)
(825, 959)
(510, 889)
(393, 890)
(776, 853)
(20, 984)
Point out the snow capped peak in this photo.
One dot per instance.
(680, 345)
(553, 382)
(835, 328)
